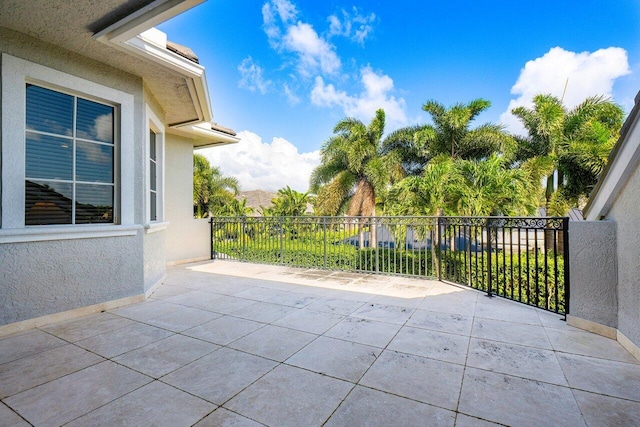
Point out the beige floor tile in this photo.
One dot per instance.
(224, 418)
(195, 299)
(608, 377)
(155, 404)
(219, 376)
(23, 374)
(182, 319)
(69, 397)
(518, 402)
(119, 341)
(384, 313)
(399, 301)
(599, 410)
(441, 322)
(145, 310)
(435, 345)
(264, 312)
(227, 304)
(315, 322)
(289, 396)
(463, 420)
(336, 305)
(8, 418)
(367, 407)
(553, 320)
(497, 308)
(588, 344)
(161, 357)
(520, 361)
(294, 299)
(85, 327)
(228, 288)
(223, 330)
(364, 331)
(166, 291)
(426, 380)
(510, 332)
(274, 342)
(258, 294)
(341, 359)
(449, 303)
(27, 343)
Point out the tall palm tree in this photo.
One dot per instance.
(236, 208)
(570, 147)
(353, 168)
(451, 134)
(211, 189)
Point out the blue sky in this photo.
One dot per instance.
(283, 72)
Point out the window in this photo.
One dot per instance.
(69, 158)
(153, 177)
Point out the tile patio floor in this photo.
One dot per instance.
(228, 344)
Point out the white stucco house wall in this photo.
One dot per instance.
(605, 249)
(99, 117)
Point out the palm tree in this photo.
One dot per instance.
(289, 202)
(211, 190)
(568, 147)
(353, 168)
(451, 134)
(236, 208)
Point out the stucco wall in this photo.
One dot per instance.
(44, 277)
(625, 214)
(187, 238)
(40, 278)
(154, 258)
(593, 269)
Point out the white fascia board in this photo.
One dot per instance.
(620, 171)
(205, 137)
(147, 17)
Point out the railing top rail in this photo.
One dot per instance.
(388, 217)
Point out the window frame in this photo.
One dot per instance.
(75, 140)
(16, 73)
(155, 125)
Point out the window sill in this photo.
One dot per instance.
(153, 227)
(63, 232)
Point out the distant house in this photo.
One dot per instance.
(100, 117)
(605, 249)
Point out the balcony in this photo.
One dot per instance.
(224, 343)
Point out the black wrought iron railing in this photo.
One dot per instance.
(523, 259)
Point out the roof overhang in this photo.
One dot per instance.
(623, 160)
(135, 34)
(204, 135)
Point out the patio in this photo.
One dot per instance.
(223, 343)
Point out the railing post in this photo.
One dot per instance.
(489, 267)
(373, 235)
(244, 239)
(566, 261)
(324, 239)
(212, 242)
(437, 245)
(281, 230)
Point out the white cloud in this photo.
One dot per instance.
(356, 26)
(264, 166)
(313, 52)
(363, 106)
(588, 74)
(290, 94)
(252, 77)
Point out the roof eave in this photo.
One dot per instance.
(126, 35)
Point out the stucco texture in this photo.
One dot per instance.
(592, 258)
(154, 258)
(187, 238)
(625, 214)
(40, 278)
